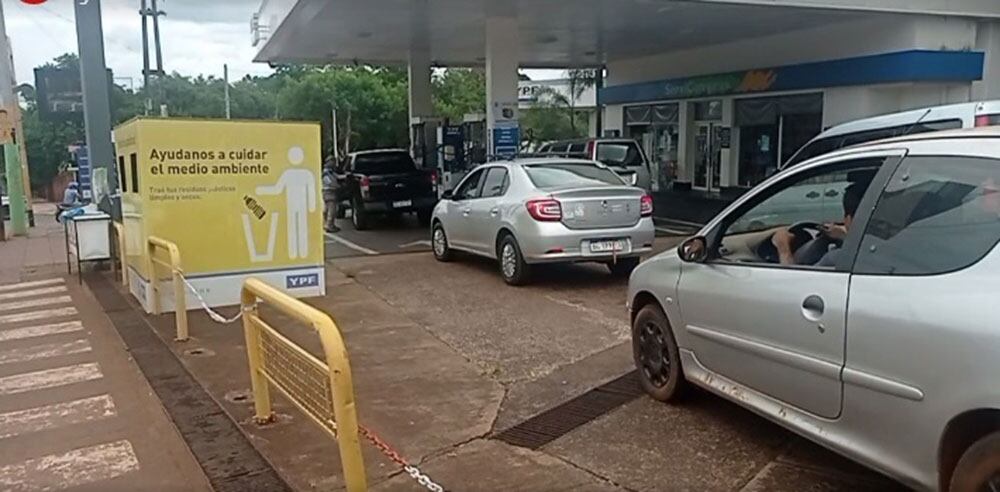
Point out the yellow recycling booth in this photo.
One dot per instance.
(239, 199)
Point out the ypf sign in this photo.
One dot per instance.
(33, 2)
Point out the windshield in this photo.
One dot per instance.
(568, 174)
(384, 163)
(621, 154)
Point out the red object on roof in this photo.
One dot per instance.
(33, 2)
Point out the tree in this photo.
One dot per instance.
(580, 79)
(459, 91)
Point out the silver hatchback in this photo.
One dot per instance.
(872, 327)
(530, 211)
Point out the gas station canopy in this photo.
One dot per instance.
(553, 33)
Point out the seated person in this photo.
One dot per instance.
(783, 239)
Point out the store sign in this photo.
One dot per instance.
(903, 66)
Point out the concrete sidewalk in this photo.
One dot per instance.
(75, 412)
(433, 406)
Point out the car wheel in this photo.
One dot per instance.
(624, 266)
(656, 356)
(439, 243)
(978, 470)
(513, 268)
(424, 217)
(359, 217)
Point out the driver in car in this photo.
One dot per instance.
(783, 239)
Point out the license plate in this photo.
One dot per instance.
(609, 245)
(402, 203)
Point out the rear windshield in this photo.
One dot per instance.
(564, 174)
(619, 154)
(384, 163)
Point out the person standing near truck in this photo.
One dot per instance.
(330, 194)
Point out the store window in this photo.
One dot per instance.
(772, 129)
(708, 110)
(656, 129)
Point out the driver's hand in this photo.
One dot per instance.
(836, 232)
(782, 239)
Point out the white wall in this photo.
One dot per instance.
(880, 34)
(988, 40)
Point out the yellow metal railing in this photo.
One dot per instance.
(120, 241)
(180, 297)
(323, 391)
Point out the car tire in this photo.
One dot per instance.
(979, 466)
(624, 266)
(360, 218)
(513, 268)
(424, 217)
(656, 356)
(439, 244)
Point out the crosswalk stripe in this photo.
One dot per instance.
(71, 469)
(33, 292)
(13, 356)
(29, 285)
(37, 315)
(40, 330)
(57, 415)
(49, 378)
(46, 301)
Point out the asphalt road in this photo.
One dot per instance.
(568, 332)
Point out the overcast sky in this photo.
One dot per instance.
(198, 37)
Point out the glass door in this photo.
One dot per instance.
(707, 156)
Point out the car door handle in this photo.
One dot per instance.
(813, 307)
(466, 211)
(495, 211)
(831, 193)
(812, 194)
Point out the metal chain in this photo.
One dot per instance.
(414, 472)
(204, 305)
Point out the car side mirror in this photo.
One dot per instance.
(693, 250)
(448, 195)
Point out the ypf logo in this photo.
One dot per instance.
(33, 2)
(302, 281)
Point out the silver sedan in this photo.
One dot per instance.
(529, 211)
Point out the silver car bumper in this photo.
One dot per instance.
(545, 242)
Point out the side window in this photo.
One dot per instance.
(122, 182)
(578, 147)
(134, 169)
(471, 186)
(496, 182)
(936, 215)
(818, 198)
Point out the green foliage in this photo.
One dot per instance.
(371, 104)
(459, 91)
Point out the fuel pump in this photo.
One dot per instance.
(423, 138)
(474, 129)
(451, 156)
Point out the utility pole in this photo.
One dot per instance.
(148, 8)
(225, 79)
(145, 58)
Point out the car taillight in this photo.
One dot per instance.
(546, 210)
(590, 150)
(433, 177)
(365, 184)
(646, 206)
(987, 119)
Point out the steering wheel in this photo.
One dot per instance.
(804, 232)
(810, 251)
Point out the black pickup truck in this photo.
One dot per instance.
(385, 182)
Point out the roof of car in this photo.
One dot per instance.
(979, 132)
(529, 161)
